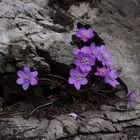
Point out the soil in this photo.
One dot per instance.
(25, 108)
(77, 107)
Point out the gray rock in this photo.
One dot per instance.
(103, 125)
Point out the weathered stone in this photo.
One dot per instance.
(102, 125)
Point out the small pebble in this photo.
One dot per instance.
(73, 115)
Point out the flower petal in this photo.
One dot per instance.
(20, 73)
(25, 86)
(33, 81)
(77, 62)
(20, 81)
(97, 73)
(71, 80)
(83, 81)
(26, 69)
(112, 82)
(90, 32)
(130, 104)
(33, 74)
(80, 32)
(77, 85)
(72, 72)
(85, 49)
(76, 51)
(82, 68)
(88, 68)
(92, 45)
(91, 61)
(85, 39)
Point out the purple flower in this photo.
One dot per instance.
(77, 77)
(76, 51)
(93, 50)
(84, 49)
(111, 78)
(102, 71)
(84, 61)
(27, 78)
(132, 98)
(104, 56)
(85, 34)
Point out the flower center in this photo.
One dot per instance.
(86, 35)
(92, 52)
(84, 60)
(103, 71)
(78, 76)
(104, 56)
(26, 78)
(111, 77)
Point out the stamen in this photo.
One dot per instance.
(78, 76)
(111, 77)
(103, 71)
(92, 52)
(86, 34)
(104, 56)
(26, 78)
(85, 60)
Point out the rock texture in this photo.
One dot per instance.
(106, 124)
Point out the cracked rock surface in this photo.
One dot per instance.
(104, 125)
